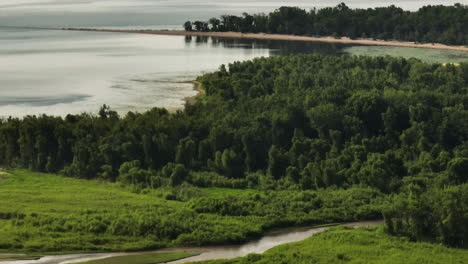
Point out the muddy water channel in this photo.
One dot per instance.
(205, 253)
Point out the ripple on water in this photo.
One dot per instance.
(42, 100)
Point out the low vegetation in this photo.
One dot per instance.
(48, 213)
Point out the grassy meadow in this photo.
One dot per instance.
(425, 55)
(53, 214)
(45, 213)
(60, 205)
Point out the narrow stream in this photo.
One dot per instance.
(206, 253)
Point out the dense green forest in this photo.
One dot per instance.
(299, 125)
(430, 24)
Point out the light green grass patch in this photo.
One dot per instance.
(46, 193)
(220, 192)
(49, 214)
(53, 198)
(426, 55)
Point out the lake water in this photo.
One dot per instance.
(59, 72)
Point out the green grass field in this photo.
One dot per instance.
(36, 207)
(46, 214)
(151, 258)
(426, 55)
(220, 192)
(46, 193)
(53, 214)
(355, 246)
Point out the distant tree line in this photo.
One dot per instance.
(302, 122)
(430, 24)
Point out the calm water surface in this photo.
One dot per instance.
(57, 72)
(61, 72)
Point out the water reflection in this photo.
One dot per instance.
(276, 47)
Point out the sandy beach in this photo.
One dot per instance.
(343, 40)
(197, 87)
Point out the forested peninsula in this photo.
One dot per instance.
(430, 24)
(432, 27)
(296, 140)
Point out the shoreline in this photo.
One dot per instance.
(191, 100)
(263, 36)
